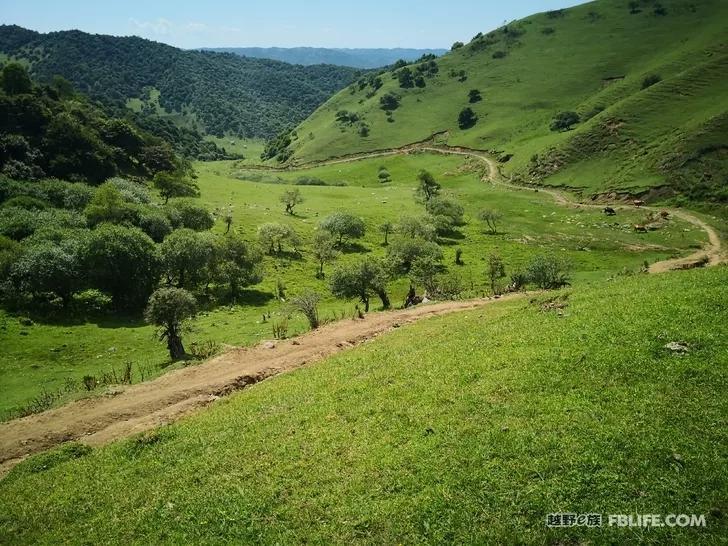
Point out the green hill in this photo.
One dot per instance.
(648, 80)
(504, 415)
(213, 92)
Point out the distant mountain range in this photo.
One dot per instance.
(357, 58)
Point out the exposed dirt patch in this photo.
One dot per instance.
(96, 421)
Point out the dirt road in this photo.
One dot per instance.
(711, 254)
(140, 407)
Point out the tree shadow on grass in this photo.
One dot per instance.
(354, 248)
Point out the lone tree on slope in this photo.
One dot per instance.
(291, 198)
(168, 309)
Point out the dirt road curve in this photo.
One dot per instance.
(140, 407)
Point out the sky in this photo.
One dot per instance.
(282, 23)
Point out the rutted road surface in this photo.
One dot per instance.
(143, 406)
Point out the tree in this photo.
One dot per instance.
(15, 79)
(389, 101)
(108, 205)
(174, 184)
(427, 187)
(169, 309)
(47, 268)
(186, 213)
(343, 226)
(651, 80)
(273, 235)
(474, 96)
(291, 198)
(361, 280)
(228, 219)
(563, 121)
(123, 262)
(456, 46)
(405, 78)
(449, 212)
(424, 271)
(496, 271)
(548, 272)
(186, 257)
(467, 118)
(236, 264)
(386, 229)
(491, 218)
(403, 252)
(324, 250)
(417, 227)
(307, 304)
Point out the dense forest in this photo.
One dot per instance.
(51, 130)
(220, 93)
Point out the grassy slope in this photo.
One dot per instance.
(505, 415)
(543, 74)
(52, 352)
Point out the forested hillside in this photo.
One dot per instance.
(606, 96)
(53, 131)
(213, 92)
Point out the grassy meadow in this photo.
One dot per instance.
(51, 356)
(506, 414)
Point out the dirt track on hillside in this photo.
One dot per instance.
(99, 420)
(711, 254)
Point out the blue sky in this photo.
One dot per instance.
(284, 23)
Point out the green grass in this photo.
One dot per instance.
(504, 415)
(249, 148)
(54, 353)
(626, 147)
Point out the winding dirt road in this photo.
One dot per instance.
(99, 420)
(140, 407)
(711, 254)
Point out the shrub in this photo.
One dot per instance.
(474, 96)
(456, 46)
(131, 192)
(651, 80)
(499, 54)
(563, 121)
(467, 118)
(548, 272)
(26, 202)
(307, 304)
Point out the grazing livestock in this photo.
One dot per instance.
(640, 228)
(638, 202)
(609, 211)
